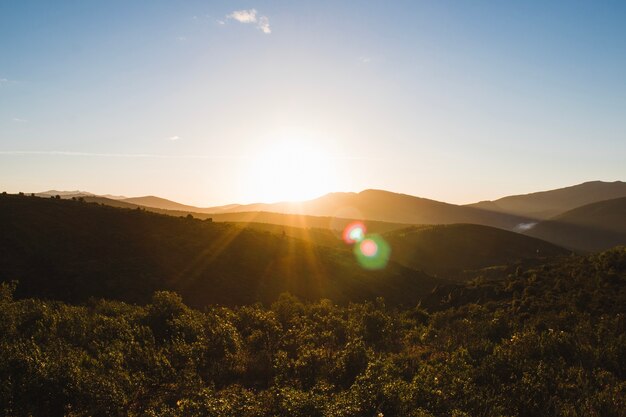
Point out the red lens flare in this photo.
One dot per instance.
(354, 232)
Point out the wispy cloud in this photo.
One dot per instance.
(157, 156)
(264, 25)
(120, 155)
(251, 16)
(19, 120)
(365, 59)
(174, 137)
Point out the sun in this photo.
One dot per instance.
(291, 169)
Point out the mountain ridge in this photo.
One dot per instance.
(549, 203)
(593, 227)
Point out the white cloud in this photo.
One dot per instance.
(365, 59)
(264, 25)
(7, 82)
(243, 16)
(250, 16)
(174, 137)
(19, 120)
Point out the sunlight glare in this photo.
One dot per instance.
(291, 169)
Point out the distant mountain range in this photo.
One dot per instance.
(536, 214)
(546, 204)
(77, 193)
(593, 227)
(73, 250)
(389, 207)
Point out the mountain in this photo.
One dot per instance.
(273, 221)
(518, 213)
(164, 204)
(389, 207)
(547, 204)
(451, 250)
(64, 194)
(114, 197)
(72, 250)
(593, 227)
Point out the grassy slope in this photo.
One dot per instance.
(71, 251)
(448, 250)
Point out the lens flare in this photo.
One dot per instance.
(353, 233)
(369, 248)
(372, 252)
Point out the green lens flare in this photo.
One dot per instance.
(372, 252)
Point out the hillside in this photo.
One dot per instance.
(389, 207)
(299, 221)
(73, 250)
(165, 204)
(449, 250)
(546, 204)
(594, 227)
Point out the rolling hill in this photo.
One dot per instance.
(547, 204)
(389, 207)
(450, 250)
(165, 204)
(517, 213)
(274, 221)
(72, 250)
(593, 227)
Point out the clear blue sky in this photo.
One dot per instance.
(456, 101)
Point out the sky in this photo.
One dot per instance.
(217, 102)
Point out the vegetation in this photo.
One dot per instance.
(547, 341)
(455, 251)
(125, 312)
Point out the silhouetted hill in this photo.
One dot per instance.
(301, 221)
(546, 204)
(389, 207)
(449, 250)
(64, 194)
(273, 220)
(76, 194)
(594, 227)
(72, 250)
(164, 204)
